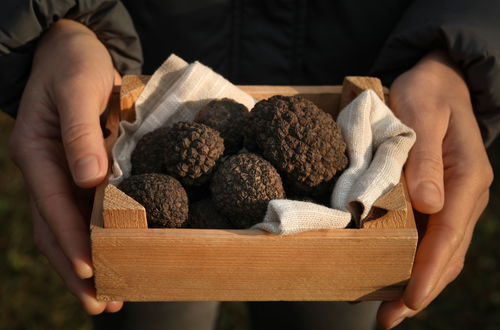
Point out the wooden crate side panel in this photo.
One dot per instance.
(325, 97)
(122, 211)
(234, 265)
(352, 86)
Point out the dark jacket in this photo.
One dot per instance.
(275, 41)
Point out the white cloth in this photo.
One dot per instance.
(377, 147)
(175, 92)
(377, 144)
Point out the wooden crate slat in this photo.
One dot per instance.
(144, 264)
(190, 264)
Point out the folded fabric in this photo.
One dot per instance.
(377, 147)
(175, 92)
(377, 144)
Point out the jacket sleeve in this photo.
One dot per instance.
(23, 22)
(469, 31)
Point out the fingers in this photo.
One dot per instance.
(424, 167)
(52, 192)
(444, 235)
(82, 289)
(394, 312)
(81, 133)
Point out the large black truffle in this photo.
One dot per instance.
(204, 215)
(303, 142)
(242, 187)
(149, 152)
(162, 196)
(192, 150)
(228, 117)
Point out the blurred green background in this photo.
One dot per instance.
(32, 296)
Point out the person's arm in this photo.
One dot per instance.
(58, 145)
(22, 24)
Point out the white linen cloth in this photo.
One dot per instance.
(377, 144)
(377, 147)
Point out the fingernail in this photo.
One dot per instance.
(86, 169)
(113, 306)
(429, 193)
(395, 323)
(83, 270)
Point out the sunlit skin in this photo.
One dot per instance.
(448, 175)
(57, 143)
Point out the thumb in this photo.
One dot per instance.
(424, 167)
(81, 134)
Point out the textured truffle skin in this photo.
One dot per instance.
(149, 153)
(163, 197)
(229, 118)
(242, 187)
(192, 150)
(302, 141)
(203, 215)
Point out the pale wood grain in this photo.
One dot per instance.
(132, 87)
(396, 201)
(354, 85)
(189, 264)
(110, 131)
(122, 211)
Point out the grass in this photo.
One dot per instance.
(32, 296)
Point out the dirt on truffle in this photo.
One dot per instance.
(192, 150)
(163, 197)
(242, 187)
(302, 141)
(228, 117)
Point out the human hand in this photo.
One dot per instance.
(58, 145)
(448, 175)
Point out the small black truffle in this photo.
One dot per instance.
(303, 142)
(162, 196)
(228, 117)
(192, 150)
(149, 152)
(242, 187)
(203, 215)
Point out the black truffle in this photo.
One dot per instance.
(242, 187)
(162, 196)
(303, 142)
(149, 153)
(204, 215)
(192, 150)
(228, 117)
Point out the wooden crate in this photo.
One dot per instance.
(134, 263)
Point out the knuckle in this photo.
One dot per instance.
(456, 269)
(451, 234)
(480, 174)
(77, 134)
(427, 160)
(488, 175)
